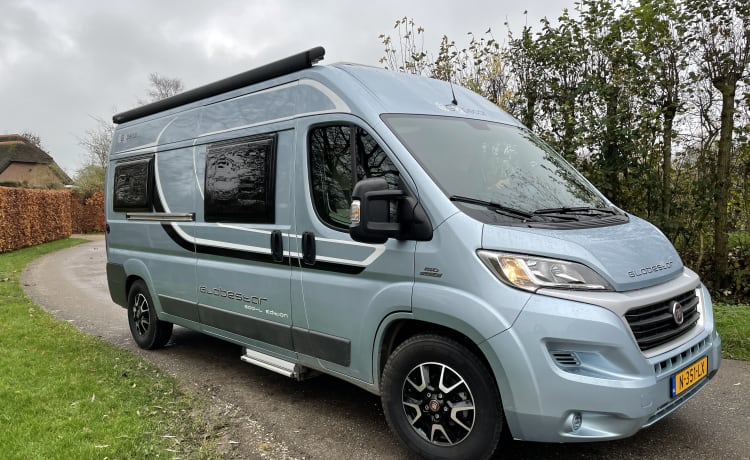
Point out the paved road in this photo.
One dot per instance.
(269, 416)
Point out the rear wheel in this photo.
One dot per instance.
(440, 399)
(146, 328)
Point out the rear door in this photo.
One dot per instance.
(344, 287)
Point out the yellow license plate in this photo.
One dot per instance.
(688, 377)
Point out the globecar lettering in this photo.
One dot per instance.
(652, 269)
(232, 295)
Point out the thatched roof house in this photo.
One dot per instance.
(24, 164)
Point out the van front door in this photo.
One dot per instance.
(345, 287)
(243, 269)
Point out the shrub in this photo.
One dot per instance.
(29, 217)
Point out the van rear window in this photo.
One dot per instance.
(240, 184)
(133, 186)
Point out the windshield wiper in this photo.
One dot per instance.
(497, 207)
(584, 210)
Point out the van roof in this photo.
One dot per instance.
(400, 92)
(364, 90)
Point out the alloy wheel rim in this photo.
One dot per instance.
(438, 404)
(140, 312)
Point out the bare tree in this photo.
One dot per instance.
(97, 142)
(163, 87)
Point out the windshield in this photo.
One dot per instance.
(480, 162)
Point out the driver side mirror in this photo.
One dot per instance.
(371, 217)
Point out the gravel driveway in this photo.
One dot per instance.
(269, 416)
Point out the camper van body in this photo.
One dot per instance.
(228, 212)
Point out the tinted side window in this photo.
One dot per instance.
(341, 155)
(132, 189)
(240, 184)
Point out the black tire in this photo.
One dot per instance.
(440, 400)
(147, 330)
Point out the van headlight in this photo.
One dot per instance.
(532, 273)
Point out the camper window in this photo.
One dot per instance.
(132, 186)
(240, 180)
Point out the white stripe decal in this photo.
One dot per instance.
(339, 105)
(378, 249)
(245, 229)
(165, 128)
(195, 170)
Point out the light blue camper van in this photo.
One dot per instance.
(408, 237)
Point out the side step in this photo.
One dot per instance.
(272, 363)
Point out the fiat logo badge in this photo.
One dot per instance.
(434, 405)
(677, 314)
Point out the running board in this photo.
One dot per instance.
(272, 363)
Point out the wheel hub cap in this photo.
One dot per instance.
(434, 405)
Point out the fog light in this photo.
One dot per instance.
(576, 421)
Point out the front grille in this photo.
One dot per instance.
(654, 325)
(678, 360)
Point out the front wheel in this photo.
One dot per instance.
(440, 400)
(145, 327)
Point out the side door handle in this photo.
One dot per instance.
(308, 248)
(277, 246)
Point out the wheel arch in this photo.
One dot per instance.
(399, 329)
(136, 270)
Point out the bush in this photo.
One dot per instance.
(87, 215)
(30, 217)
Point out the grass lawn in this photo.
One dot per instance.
(733, 323)
(64, 394)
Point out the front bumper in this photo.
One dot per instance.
(565, 361)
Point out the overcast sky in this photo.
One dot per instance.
(62, 63)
